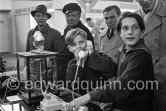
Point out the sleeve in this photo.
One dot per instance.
(90, 37)
(103, 63)
(117, 91)
(28, 42)
(56, 41)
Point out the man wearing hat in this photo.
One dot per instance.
(51, 36)
(72, 13)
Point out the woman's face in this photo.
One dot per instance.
(130, 31)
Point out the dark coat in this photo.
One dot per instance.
(134, 66)
(51, 39)
(64, 54)
(94, 72)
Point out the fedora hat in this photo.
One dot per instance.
(42, 9)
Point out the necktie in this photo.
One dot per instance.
(110, 35)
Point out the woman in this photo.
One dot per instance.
(131, 91)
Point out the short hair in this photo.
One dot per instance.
(71, 35)
(130, 14)
(88, 19)
(112, 7)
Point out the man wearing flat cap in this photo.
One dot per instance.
(51, 36)
(72, 13)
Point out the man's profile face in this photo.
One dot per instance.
(147, 5)
(111, 18)
(72, 18)
(40, 18)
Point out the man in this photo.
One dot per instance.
(153, 13)
(51, 36)
(95, 31)
(110, 40)
(72, 13)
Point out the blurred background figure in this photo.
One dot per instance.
(95, 31)
(110, 40)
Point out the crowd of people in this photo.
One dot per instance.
(131, 52)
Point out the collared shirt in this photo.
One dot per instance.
(111, 46)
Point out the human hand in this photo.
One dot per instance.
(82, 58)
(76, 54)
(78, 102)
(106, 106)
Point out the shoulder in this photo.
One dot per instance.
(161, 9)
(83, 27)
(31, 30)
(55, 33)
(141, 55)
(30, 33)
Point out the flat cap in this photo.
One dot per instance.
(71, 7)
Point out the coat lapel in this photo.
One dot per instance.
(152, 25)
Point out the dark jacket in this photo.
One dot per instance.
(134, 66)
(51, 39)
(94, 72)
(64, 54)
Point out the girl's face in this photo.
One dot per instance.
(130, 31)
(80, 43)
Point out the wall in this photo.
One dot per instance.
(22, 22)
(4, 38)
(5, 26)
(5, 4)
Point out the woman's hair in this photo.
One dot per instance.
(137, 17)
(71, 35)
